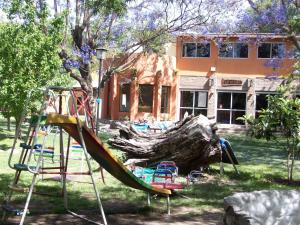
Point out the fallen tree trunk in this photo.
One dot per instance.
(190, 144)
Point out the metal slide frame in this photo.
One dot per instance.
(24, 161)
(37, 169)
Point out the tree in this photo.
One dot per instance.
(281, 116)
(276, 16)
(28, 60)
(190, 144)
(126, 28)
(129, 27)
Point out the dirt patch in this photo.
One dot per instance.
(206, 218)
(122, 213)
(286, 182)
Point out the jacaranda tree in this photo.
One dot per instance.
(126, 28)
(282, 114)
(276, 16)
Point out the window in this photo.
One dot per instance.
(196, 50)
(193, 102)
(203, 50)
(145, 97)
(261, 102)
(233, 50)
(124, 97)
(271, 50)
(240, 50)
(165, 99)
(230, 107)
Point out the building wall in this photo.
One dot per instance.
(152, 69)
(251, 66)
(208, 74)
(193, 74)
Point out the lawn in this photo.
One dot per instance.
(261, 163)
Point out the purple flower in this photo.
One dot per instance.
(85, 48)
(243, 38)
(151, 25)
(219, 41)
(275, 63)
(70, 63)
(272, 76)
(273, 15)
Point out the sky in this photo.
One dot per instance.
(226, 20)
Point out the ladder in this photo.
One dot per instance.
(25, 164)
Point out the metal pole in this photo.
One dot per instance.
(36, 173)
(98, 96)
(168, 205)
(61, 143)
(148, 199)
(232, 162)
(80, 132)
(28, 199)
(221, 164)
(98, 111)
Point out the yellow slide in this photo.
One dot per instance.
(102, 154)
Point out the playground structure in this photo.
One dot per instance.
(227, 155)
(161, 175)
(51, 114)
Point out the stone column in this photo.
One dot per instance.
(157, 96)
(134, 101)
(250, 99)
(211, 98)
(173, 98)
(114, 106)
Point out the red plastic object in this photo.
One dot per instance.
(170, 186)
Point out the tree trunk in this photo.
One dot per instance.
(291, 160)
(190, 144)
(19, 135)
(8, 123)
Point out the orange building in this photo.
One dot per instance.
(221, 76)
(146, 91)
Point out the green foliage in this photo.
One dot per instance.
(108, 6)
(28, 60)
(282, 117)
(28, 10)
(155, 43)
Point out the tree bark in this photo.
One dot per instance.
(190, 144)
(8, 123)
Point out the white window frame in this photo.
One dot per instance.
(194, 94)
(193, 57)
(120, 97)
(284, 46)
(220, 57)
(236, 110)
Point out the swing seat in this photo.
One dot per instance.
(163, 178)
(169, 186)
(48, 152)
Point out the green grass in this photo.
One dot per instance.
(260, 163)
(6, 138)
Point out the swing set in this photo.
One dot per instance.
(61, 112)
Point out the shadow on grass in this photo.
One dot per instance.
(5, 180)
(254, 151)
(83, 202)
(4, 147)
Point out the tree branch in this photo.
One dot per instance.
(64, 57)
